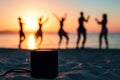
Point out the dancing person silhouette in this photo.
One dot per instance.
(21, 33)
(61, 32)
(104, 31)
(81, 29)
(39, 33)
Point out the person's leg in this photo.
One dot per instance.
(67, 39)
(41, 39)
(36, 39)
(20, 41)
(106, 41)
(19, 45)
(78, 39)
(84, 39)
(22, 35)
(36, 36)
(100, 40)
(22, 38)
(60, 36)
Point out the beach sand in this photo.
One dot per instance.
(74, 64)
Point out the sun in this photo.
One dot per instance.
(31, 24)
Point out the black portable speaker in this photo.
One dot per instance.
(44, 64)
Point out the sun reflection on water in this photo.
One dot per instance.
(31, 42)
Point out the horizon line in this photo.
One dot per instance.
(30, 32)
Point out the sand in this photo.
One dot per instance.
(74, 64)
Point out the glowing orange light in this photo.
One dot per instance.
(31, 42)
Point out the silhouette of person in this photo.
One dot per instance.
(61, 32)
(39, 33)
(21, 33)
(104, 31)
(81, 29)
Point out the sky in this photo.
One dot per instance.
(31, 10)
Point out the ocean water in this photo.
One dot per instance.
(51, 41)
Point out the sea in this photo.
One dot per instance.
(51, 40)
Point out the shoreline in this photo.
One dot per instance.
(61, 49)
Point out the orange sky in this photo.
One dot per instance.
(31, 10)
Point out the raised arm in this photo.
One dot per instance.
(65, 16)
(97, 21)
(56, 17)
(45, 20)
(86, 20)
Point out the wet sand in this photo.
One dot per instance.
(74, 64)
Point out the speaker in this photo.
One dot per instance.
(44, 64)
